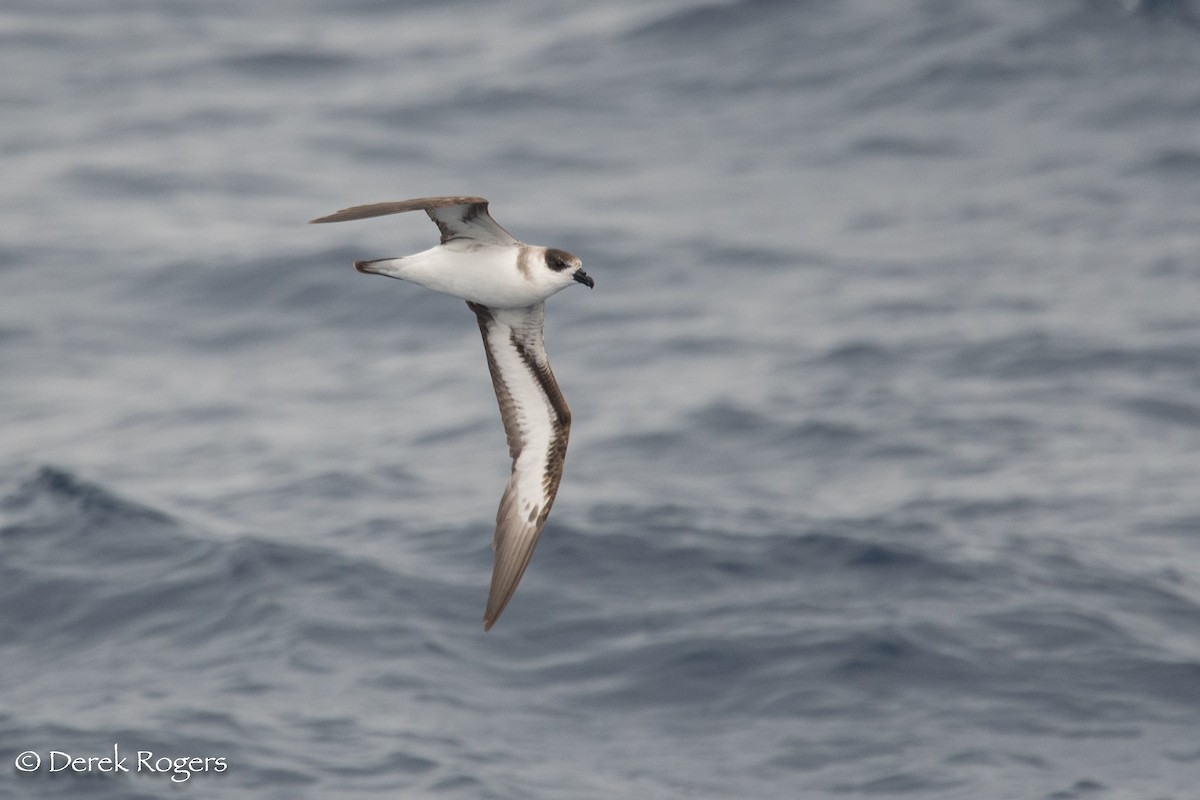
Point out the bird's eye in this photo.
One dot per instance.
(557, 260)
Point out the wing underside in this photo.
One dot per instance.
(537, 423)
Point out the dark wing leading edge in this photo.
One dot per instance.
(456, 217)
(537, 423)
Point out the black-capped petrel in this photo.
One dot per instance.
(505, 282)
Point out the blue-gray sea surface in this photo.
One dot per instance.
(885, 472)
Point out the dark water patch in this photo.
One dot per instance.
(876, 559)
(1156, 595)
(1186, 525)
(243, 335)
(39, 602)
(146, 182)
(1175, 682)
(1132, 113)
(650, 444)
(722, 421)
(973, 83)
(133, 182)
(874, 221)
(465, 785)
(57, 501)
(1080, 790)
(1167, 412)
(1042, 355)
(674, 556)
(42, 39)
(1043, 631)
(388, 764)
(1172, 267)
(216, 117)
(903, 147)
(701, 346)
(1087, 639)
(796, 671)
(89, 566)
(732, 674)
(485, 102)
(662, 517)
(388, 7)
(972, 757)
(1169, 12)
(1030, 666)
(725, 418)
(974, 509)
(553, 160)
(898, 783)
(815, 753)
(825, 438)
(356, 601)
(758, 258)
(758, 43)
(893, 659)
(701, 670)
(362, 146)
(1014, 303)
(330, 486)
(1019, 434)
(11, 257)
(223, 724)
(865, 356)
(692, 23)
(1176, 164)
(282, 64)
(205, 414)
(906, 310)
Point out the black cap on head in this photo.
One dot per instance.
(558, 260)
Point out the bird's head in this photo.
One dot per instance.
(567, 268)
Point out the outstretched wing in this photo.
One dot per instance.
(537, 423)
(456, 217)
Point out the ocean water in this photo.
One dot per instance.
(884, 479)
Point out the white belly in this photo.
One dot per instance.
(486, 275)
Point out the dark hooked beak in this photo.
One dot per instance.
(584, 278)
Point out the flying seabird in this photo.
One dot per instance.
(505, 282)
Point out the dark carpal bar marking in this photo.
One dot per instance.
(508, 409)
(545, 378)
(562, 428)
(541, 372)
